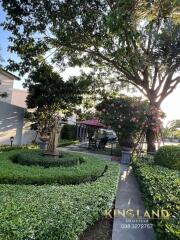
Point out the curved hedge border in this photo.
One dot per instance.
(55, 212)
(11, 173)
(168, 156)
(36, 158)
(160, 189)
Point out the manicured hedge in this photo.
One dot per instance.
(168, 156)
(11, 173)
(68, 132)
(160, 188)
(38, 159)
(55, 212)
(7, 148)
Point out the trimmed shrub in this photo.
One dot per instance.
(68, 132)
(168, 156)
(55, 212)
(7, 148)
(160, 190)
(89, 170)
(36, 158)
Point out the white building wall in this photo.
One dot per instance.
(11, 123)
(6, 85)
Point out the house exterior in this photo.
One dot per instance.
(12, 110)
(6, 84)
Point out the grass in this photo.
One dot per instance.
(66, 142)
(12, 173)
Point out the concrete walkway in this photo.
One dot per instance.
(129, 197)
(77, 149)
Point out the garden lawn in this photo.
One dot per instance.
(54, 212)
(161, 190)
(67, 142)
(13, 173)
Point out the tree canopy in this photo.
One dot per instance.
(49, 95)
(127, 41)
(136, 40)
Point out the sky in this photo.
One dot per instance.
(171, 105)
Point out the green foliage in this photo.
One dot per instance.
(160, 191)
(7, 148)
(168, 156)
(37, 159)
(66, 142)
(55, 212)
(51, 96)
(136, 42)
(68, 132)
(11, 173)
(125, 115)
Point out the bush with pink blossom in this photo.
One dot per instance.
(125, 115)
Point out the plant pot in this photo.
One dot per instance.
(126, 156)
(127, 149)
(43, 145)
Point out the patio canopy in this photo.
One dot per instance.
(92, 123)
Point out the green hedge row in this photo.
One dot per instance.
(168, 156)
(38, 159)
(55, 212)
(68, 132)
(7, 148)
(11, 173)
(160, 188)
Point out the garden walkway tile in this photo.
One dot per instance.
(129, 197)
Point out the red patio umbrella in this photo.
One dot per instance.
(92, 123)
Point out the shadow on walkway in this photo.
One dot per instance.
(129, 197)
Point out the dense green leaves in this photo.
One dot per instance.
(160, 188)
(55, 212)
(168, 156)
(51, 96)
(12, 173)
(125, 115)
(38, 159)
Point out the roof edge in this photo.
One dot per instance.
(12, 76)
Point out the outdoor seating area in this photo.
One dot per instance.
(96, 134)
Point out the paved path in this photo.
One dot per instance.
(77, 149)
(129, 197)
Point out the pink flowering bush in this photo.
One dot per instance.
(125, 115)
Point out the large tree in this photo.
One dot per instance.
(136, 41)
(52, 98)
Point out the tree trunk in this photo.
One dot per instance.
(151, 140)
(151, 132)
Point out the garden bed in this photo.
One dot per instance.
(160, 188)
(12, 173)
(37, 158)
(54, 211)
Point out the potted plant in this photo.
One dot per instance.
(43, 137)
